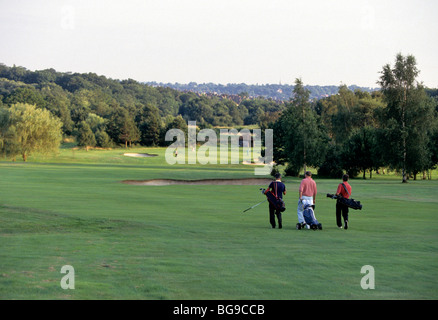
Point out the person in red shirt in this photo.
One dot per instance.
(342, 209)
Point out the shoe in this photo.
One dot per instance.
(346, 225)
(340, 227)
(280, 226)
(298, 226)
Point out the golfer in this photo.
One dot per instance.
(278, 189)
(307, 195)
(342, 209)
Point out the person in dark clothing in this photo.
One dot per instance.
(278, 189)
(342, 209)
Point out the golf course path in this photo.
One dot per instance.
(167, 182)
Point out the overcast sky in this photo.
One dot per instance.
(325, 42)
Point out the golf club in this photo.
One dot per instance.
(254, 205)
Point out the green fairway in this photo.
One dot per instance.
(194, 242)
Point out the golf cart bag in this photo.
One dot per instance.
(310, 219)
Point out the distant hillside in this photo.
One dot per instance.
(281, 92)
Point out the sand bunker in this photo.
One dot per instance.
(167, 182)
(140, 155)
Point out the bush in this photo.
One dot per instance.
(274, 171)
(291, 171)
(103, 140)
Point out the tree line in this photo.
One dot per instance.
(395, 127)
(354, 130)
(104, 112)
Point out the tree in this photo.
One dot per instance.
(177, 123)
(333, 163)
(57, 101)
(408, 116)
(343, 119)
(221, 115)
(149, 124)
(28, 95)
(95, 122)
(30, 130)
(86, 136)
(305, 143)
(197, 109)
(129, 132)
(121, 127)
(360, 152)
(8, 135)
(237, 113)
(433, 149)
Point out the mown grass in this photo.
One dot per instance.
(194, 242)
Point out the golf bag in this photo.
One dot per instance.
(351, 203)
(277, 202)
(310, 219)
